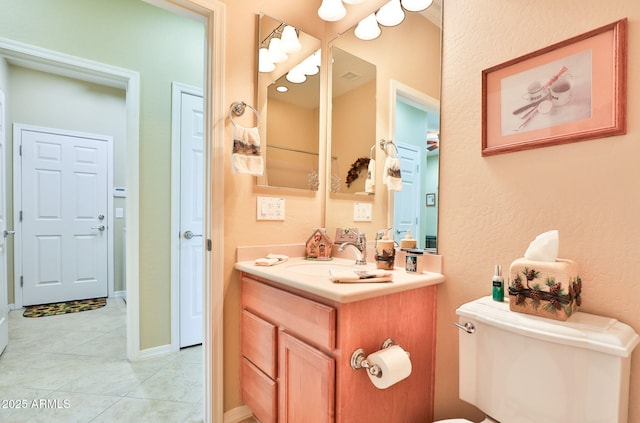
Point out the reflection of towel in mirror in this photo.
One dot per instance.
(391, 174)
(246, 157)
(370, 182)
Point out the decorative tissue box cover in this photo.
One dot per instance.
(547, 289)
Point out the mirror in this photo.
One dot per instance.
(289, 104)
(405, 99)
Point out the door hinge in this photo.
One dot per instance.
(20, 150)
(20, 216)
(21, 281)
(208, 245)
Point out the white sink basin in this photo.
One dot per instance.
(319, 268)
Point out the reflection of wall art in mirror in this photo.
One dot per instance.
(431, 200)
(289, 100)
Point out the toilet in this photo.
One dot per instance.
(519, 368)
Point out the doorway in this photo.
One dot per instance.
(213, 16)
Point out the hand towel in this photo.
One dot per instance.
(271, 260)
(391, 176)
(370, 182)
(362, 276)
(246, 157)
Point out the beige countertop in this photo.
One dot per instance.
(313, 277)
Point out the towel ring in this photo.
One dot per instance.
(238, 107)
(384, 144)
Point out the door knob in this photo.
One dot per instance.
(189, 234)
(100, 228)
(7, 233)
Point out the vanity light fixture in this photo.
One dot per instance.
(308, 66)
(264, 63)
(276, 55)
(390, 14)
(416, 5)
(332, 10)
(368, 28)
(296, 75)
(289, 41)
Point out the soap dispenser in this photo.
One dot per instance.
(408, 242)
(385, 251)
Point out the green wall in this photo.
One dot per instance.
(163, 48)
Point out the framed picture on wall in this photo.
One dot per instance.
(431, 199)
(571, 91)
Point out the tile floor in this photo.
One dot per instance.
(73, 368)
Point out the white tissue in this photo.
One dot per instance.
(395, 364)
(544, 247)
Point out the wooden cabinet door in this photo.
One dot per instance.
(306, 383)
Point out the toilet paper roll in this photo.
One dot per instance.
(394, 364)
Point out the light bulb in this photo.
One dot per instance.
(368, 28)
(264, 63)
(308, 66)
(390, 14)
(332, 10)
(289, 40)
(416, 5)
(276, 55)
(296, 76)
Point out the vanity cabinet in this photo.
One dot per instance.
(296, 350)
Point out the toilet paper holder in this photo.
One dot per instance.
(359, 359)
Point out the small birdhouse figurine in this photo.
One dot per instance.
(319, 245)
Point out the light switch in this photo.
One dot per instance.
(270, 208)
(362, 212)
(119, 212)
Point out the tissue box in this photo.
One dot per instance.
(546, 289)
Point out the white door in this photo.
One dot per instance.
(4, 306)
(64, 209)
(191, 218)
(406, 203)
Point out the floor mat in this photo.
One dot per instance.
(65, 307)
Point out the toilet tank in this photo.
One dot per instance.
(519, 368)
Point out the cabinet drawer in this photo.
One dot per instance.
(258, 343)
(308, 319)
(259, 393)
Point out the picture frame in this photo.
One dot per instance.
(431, 199)
(574, 90)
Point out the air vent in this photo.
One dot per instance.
(350, 76)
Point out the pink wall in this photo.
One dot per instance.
(491, 207)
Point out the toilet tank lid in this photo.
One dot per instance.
(582, 330)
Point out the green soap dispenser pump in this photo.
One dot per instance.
(498, 284)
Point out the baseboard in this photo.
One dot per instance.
(120, 294)
(238, 414)
(155, 352)
(12, 307)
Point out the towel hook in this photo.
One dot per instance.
(238, 108)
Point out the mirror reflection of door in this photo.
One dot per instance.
(419, 168)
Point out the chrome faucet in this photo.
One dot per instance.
(360, 248)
